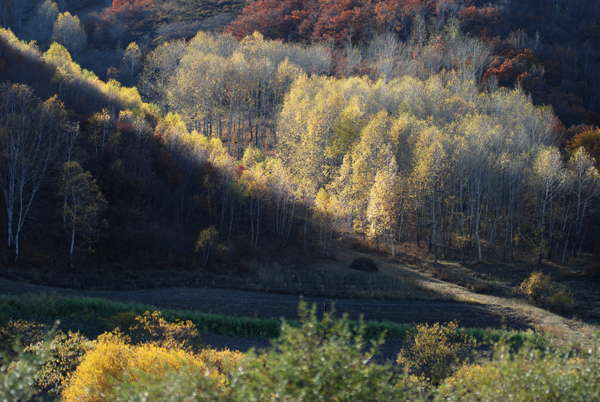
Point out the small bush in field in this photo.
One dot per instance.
(530, 375)
(540, 289)
(537, 286)
(62, 356)
(114, 360)
(152, 327)
(562, 301)
(434, 351)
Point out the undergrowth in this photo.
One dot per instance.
(78, 312)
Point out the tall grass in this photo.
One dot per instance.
(48, 308)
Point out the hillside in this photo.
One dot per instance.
(199, 167)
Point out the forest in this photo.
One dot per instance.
(230, 143)
(234, 144)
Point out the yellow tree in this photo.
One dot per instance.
(585, 188)
(69, 32)
(282, 192)
(325, 217)
(547, 181)
(101, 128)
(384, 204)
(254, 186)
(367, 158)
(130, 64)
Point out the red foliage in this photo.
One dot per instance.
(237, 171)
(343, 19)
(588, 137)
(167, 167)
(122, 188)
(272, 18)
(123, 127)
(208, 174)
(506, 73)
(320, 20)
(480, 20)
(129, 8)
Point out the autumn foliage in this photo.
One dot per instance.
(130, 7)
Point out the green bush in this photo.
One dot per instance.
(530, 375)
(434, 351)
(326, 360)
(320, 361)
(18, 373)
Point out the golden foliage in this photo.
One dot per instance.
(114, 359)
(152, 327)
(540, 289)
(537, 286)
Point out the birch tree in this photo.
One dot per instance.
(30, 135)
(585, 188)
(84, 205)
(69, 32)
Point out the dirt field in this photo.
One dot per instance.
(451, 301)
(262, 305)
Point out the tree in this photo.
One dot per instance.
(84, 204)
(46, 14)
(30, 135)
(159, 68)
(585, 188)
(547, 181)
(130, 64)
(207, 239)
(383, 210)
(18, 10)
(69, 32)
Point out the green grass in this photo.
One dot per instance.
(75, 311)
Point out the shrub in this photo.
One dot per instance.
(592, 270)
(540, 289)
(537, 286)
(478, 287)
(27, 332)
(172, 386)
(115, 358)
(122, 320)
(434, 351)
(18, 376)
(152, 327)
(320, 361)
(62, 356)
(530, 375)
(562, 301)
